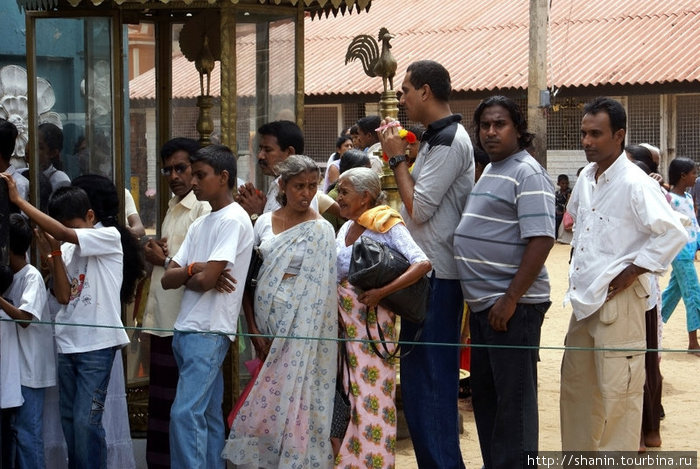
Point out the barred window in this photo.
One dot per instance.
(564, 124)
(321, 130)
(644, 120)
(688, 126)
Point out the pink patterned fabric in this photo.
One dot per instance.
(370, 441)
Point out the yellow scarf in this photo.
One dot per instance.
(380, 218)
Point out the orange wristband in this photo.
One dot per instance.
(189, 270)
(57, 252)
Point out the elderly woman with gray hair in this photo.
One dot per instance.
(371, 436)
(285, 420)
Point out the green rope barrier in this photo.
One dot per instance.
(367, 341)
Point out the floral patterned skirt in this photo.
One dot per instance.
(370, 441)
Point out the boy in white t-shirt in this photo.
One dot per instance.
(87, 271)
(28, 302)
(10, 389)
(216, 250)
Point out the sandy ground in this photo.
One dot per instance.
(681, 400)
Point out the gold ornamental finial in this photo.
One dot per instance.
(366, 49)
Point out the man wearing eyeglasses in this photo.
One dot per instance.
(162, 307)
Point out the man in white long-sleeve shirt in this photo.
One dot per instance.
(624, 232)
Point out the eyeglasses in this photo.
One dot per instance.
(178, 168)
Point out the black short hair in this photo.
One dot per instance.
(287, 133)
(563, 177)
(8, 137)
(219, 157)
(615, 111)
(642, 166)
(53, 136)
(69, 202)
(640, 153)
(103, 196)
(353, 159)
(20, 234)
(354, 130)
(341, 140)
(176, 144)
(516, 115)
(433, 74)
(678, 167)
(369, 124)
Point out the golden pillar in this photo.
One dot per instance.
(389, 107)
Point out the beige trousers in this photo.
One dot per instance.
(601, 391)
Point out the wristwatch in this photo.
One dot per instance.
(167, 261)
(254, 217)
(395, 160)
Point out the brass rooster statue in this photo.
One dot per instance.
(365, 48)
(200, 43)
(204, 65)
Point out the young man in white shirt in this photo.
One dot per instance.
(163, 306)
(217, 249)
(624, 231)
(28, 302)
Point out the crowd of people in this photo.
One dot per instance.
(478, 220)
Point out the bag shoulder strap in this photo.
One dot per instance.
(344, 369)
(389, 355)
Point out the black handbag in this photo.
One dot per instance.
(341, 403)
(256, 261)
(374, 265)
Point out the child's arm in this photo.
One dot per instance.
(198, 276)
(49, 249)
(48, 224)
(205, 275)
(174, 276)
(15, 313)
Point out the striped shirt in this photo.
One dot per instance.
(512, 201)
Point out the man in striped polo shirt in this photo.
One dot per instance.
(501, 244)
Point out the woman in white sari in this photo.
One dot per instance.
(285, 420)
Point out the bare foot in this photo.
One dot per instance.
(652, 439)
(642, 447)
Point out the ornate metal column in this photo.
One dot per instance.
(380, 64)
(200, 41)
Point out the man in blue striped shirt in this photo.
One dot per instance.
(501, 244)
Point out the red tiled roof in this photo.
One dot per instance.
(484, 44)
